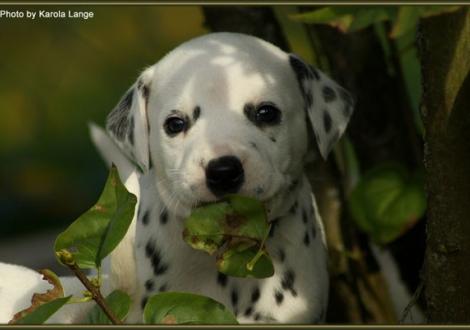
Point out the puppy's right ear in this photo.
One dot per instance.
(127, 123)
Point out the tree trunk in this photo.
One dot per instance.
(257, 21)
(445, 55)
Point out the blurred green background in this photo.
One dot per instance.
(56, 76)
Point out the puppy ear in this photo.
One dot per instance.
(127, 124)
(329, 106)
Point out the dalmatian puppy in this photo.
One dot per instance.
(230, 113)
(221, 114)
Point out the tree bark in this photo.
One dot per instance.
(382, 127)
(257, 21)
(445, 55)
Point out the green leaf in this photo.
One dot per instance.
(429, 11)
(252, 218)
(98, 231)
(204, 229)
(350, 19)
(336, 16)
(40, 299)
(407, 20)
(347, 18)
(43, 312)
(186, 308)
(387, 202)
(236, 259)
(118, 301)
(367, 17)
(238, 223)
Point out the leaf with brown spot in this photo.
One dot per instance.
(169, 319)
(239, 226)
(43, 305)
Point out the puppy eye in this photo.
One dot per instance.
(174, 125)
(267, 114)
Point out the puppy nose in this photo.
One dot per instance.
(224, 175)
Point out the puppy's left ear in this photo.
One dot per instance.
(329, 106)
(127, 124)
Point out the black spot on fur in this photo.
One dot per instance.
(279, 297)
(117, 120)
(254, 145)
(293, 185)
(145, 93)
(304, 72)
(257, 316)
(327, 121)
(164, 216)
(304, 216)
(126, 102)
(287, 282)
(149, 285)
(145, 217)
(158, 267)
(163, 288)
(222, 279)
(234, 297)
(306, 239)
(150, 161)
(282, 255)
(248, 311)
(255, 295)
(329, 94)
(131, 131)
(273, 139)
(196, 113)
(293, 208)
(149, 249)
(155, 258)
(301, 70)
(315, 73)
(143, 302)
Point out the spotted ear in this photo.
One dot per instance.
(329, 106)
(127, 123)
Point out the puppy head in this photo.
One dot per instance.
(227, 113)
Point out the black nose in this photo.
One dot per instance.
(224, 175)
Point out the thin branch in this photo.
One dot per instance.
(95, 293)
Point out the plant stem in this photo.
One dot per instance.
(96, 294)
(258, 255)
